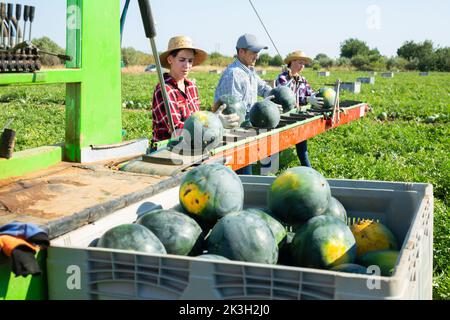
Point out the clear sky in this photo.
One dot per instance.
(312, 26)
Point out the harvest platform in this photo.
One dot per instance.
(68, 195)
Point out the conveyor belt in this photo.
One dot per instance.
(241, 147)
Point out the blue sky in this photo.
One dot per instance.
(312, 26)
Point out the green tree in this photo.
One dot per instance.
(276, 61)
(411, 50)
(326, 62)
(443, 59)
(360, 62)
(130, 56)
(354, 47)
(396, 63)
(320, 56)
(47, 44)
(263, 59)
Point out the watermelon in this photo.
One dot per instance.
(384, 259)
(208, 256)
(283, 96)
(179, 234)
(265, 114)
(350, 268)
(131, 237)
(323, 242)
(210, 191)
(243, 237)
(336, 209)
(328, 95)
(203, 131)
(285, 254)
(233, 105)
(372, 236)
(275, 226)
(298, 194)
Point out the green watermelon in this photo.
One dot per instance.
(384, 259)
(210, 191)
(277, 228)
(328, 95)
(203, 130)
(131, 237)
(179, 234)
(233, 105)
(208, 256)
(299, 194)
(265, 114)
(283, 96)
(336, 209)
(243, 237)
(323, 242)
(350, 268)
(285, 255)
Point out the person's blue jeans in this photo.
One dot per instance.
(302, 153)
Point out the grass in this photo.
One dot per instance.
(405, 147)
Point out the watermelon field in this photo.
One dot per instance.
(406, 137)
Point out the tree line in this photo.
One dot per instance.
(354, 55)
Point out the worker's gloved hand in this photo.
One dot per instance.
(229, 121)
(24, 262)
(315, 101)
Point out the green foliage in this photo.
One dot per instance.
(133, 57)
(276, 61)
(424, 56)
(396, 63)
(321, 56)
(326, 62)
(47, 44)
(354, 47)
(219, 60)
(443, 59)
(263, 60)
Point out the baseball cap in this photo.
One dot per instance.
(248, 41)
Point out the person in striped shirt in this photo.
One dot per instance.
(304, 94)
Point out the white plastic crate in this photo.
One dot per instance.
(76, 271)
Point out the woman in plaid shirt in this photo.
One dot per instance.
(182, 93)
(291, 78)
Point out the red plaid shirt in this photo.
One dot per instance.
(182, 105)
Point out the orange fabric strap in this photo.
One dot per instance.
(9, 243)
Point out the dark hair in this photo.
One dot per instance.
(175, 52)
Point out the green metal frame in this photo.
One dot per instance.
(93, 86)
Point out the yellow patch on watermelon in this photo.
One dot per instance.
(193, 199)
(335, 250)
(202, 116)
(328, 94)
(371, 236)
(287, 180)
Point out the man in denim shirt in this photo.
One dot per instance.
(240, 79)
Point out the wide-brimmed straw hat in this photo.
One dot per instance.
(182, 42)
(297, 55)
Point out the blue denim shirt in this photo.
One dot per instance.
(242, 82)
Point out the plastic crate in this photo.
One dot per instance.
(76, 271)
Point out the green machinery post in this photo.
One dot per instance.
(93, 88)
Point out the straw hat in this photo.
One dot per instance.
(182, 42)
(297, 55)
